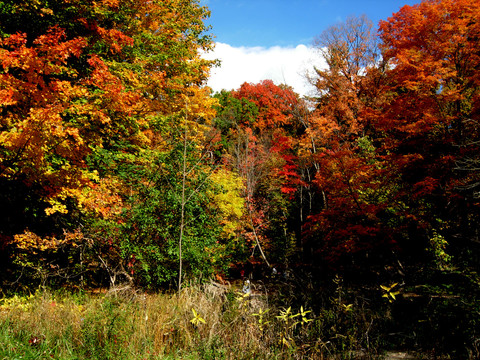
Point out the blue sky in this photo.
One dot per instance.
(288, 22)
(272, 39)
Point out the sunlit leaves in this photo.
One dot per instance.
(33, 129)
(275, 103)
(82, 87)
(390, 292)
(229, 201)
(432, 119)
(197, 319)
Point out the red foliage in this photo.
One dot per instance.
(430, 122)
(275, 103)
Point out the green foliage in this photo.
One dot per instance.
(113, 154)
(149, 229)
(96, 75)
(438, 248)
(134, 325)
(233, 112)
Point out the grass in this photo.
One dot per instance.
(132, 325)
(203, 322)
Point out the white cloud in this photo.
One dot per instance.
(283, 65)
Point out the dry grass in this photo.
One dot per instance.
(209, 321)
(131, 325)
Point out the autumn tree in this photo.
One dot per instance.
(350, 50)
(353, 184)
(83, 82)
(394, 137)
(258, 124)
(274, 103)
(431, 120)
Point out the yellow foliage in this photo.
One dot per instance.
(229, 200)
(57, 207)
(103, 198)
(72, 188)
(201, 104)
(197, 319)
(55, 116)
(24, 303)
(34, 243)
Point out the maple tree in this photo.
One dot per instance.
(115, 155)
(431, 121)
(394, 139)
(117, 164)
(338, 149)
(83, 82)
(274, 103)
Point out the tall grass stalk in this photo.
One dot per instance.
(132, 325)
(200, 322)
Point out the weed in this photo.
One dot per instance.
(195, 324)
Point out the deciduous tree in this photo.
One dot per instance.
(84, 84)
(431, 123)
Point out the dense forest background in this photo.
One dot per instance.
(118, 165)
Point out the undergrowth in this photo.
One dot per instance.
(209, 321)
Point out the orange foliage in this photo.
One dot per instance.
(432, 54)
(275, 103)
(60, 100)
(431, 49)
(35, 244)
(33, 128)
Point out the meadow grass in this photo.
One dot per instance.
(133, 325)
(208, 321)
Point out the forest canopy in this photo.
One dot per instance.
(118, 163)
